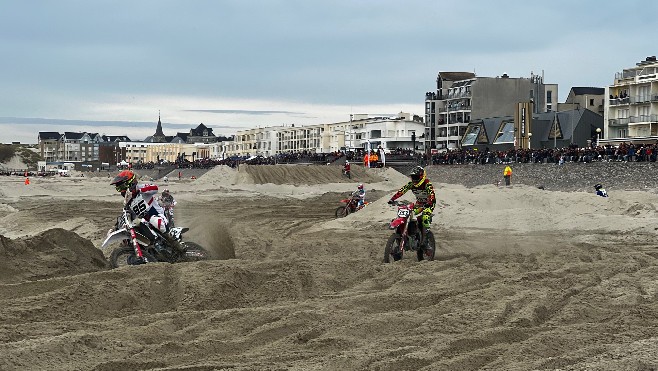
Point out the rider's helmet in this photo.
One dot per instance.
(417, 175)
(360, 186)
(598, 186)
(124, 180)
(165, 192)
(347, 162)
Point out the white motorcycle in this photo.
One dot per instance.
(141, 243)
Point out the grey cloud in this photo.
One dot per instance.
(340, 52)
(96, 123)
(247, 112)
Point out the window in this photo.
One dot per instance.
(505, 133)
(591, 102)
(549, 96)
(556, 130)
(471, 135)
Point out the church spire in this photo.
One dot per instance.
(159, 135)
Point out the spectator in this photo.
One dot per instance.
(600, 191)
(507, 174)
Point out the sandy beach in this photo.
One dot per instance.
(543, 275)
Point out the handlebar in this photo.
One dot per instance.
(401, 203)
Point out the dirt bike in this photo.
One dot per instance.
(351, 206)
(141, 243)
(169, 214)
(407, 235)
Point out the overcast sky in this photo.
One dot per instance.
(111, 66)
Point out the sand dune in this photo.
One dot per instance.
(525, 278)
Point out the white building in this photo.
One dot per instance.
(631, 110)
(361, 132)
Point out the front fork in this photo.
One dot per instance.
(404, 235)
(138, 249)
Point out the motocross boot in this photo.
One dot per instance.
(425, 241)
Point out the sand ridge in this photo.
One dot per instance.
(525, 279)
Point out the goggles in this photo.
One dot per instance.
(121, 187)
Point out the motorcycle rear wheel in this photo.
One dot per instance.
(342, 211)
(427, 253)
(392, 248)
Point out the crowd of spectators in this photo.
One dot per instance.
(10, 172)
(624, 152)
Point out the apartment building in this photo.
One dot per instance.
(631, 110)
(69, 146)
(360, 132)
(50, 145)
(461, 97)
(143, 152)
(589, 98)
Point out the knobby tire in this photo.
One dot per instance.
(392, 248)
(342, 211)
(427, 253)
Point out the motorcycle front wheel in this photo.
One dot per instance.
(125, 255)
(392, 248)
(342, 211)
(427, 253)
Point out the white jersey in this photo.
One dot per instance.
(144, 202)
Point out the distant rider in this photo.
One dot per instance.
(166, 199)
(360, 196)
(600, 191)
(167, 202)
(141, 200)
(346, 169)
(423, 189)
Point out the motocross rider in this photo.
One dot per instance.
(166, 200)
(146, 206)
(360, 196)
(425, 197)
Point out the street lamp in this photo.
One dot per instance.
(572, 117)
(598, 136)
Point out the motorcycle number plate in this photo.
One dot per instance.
(403, 213)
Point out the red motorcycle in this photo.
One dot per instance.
(351, 205)
(407, 236)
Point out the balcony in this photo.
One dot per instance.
(642, 119)
(639, 99)
(619, 101)
(454, 94)
(626, 75)
(618, 122)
